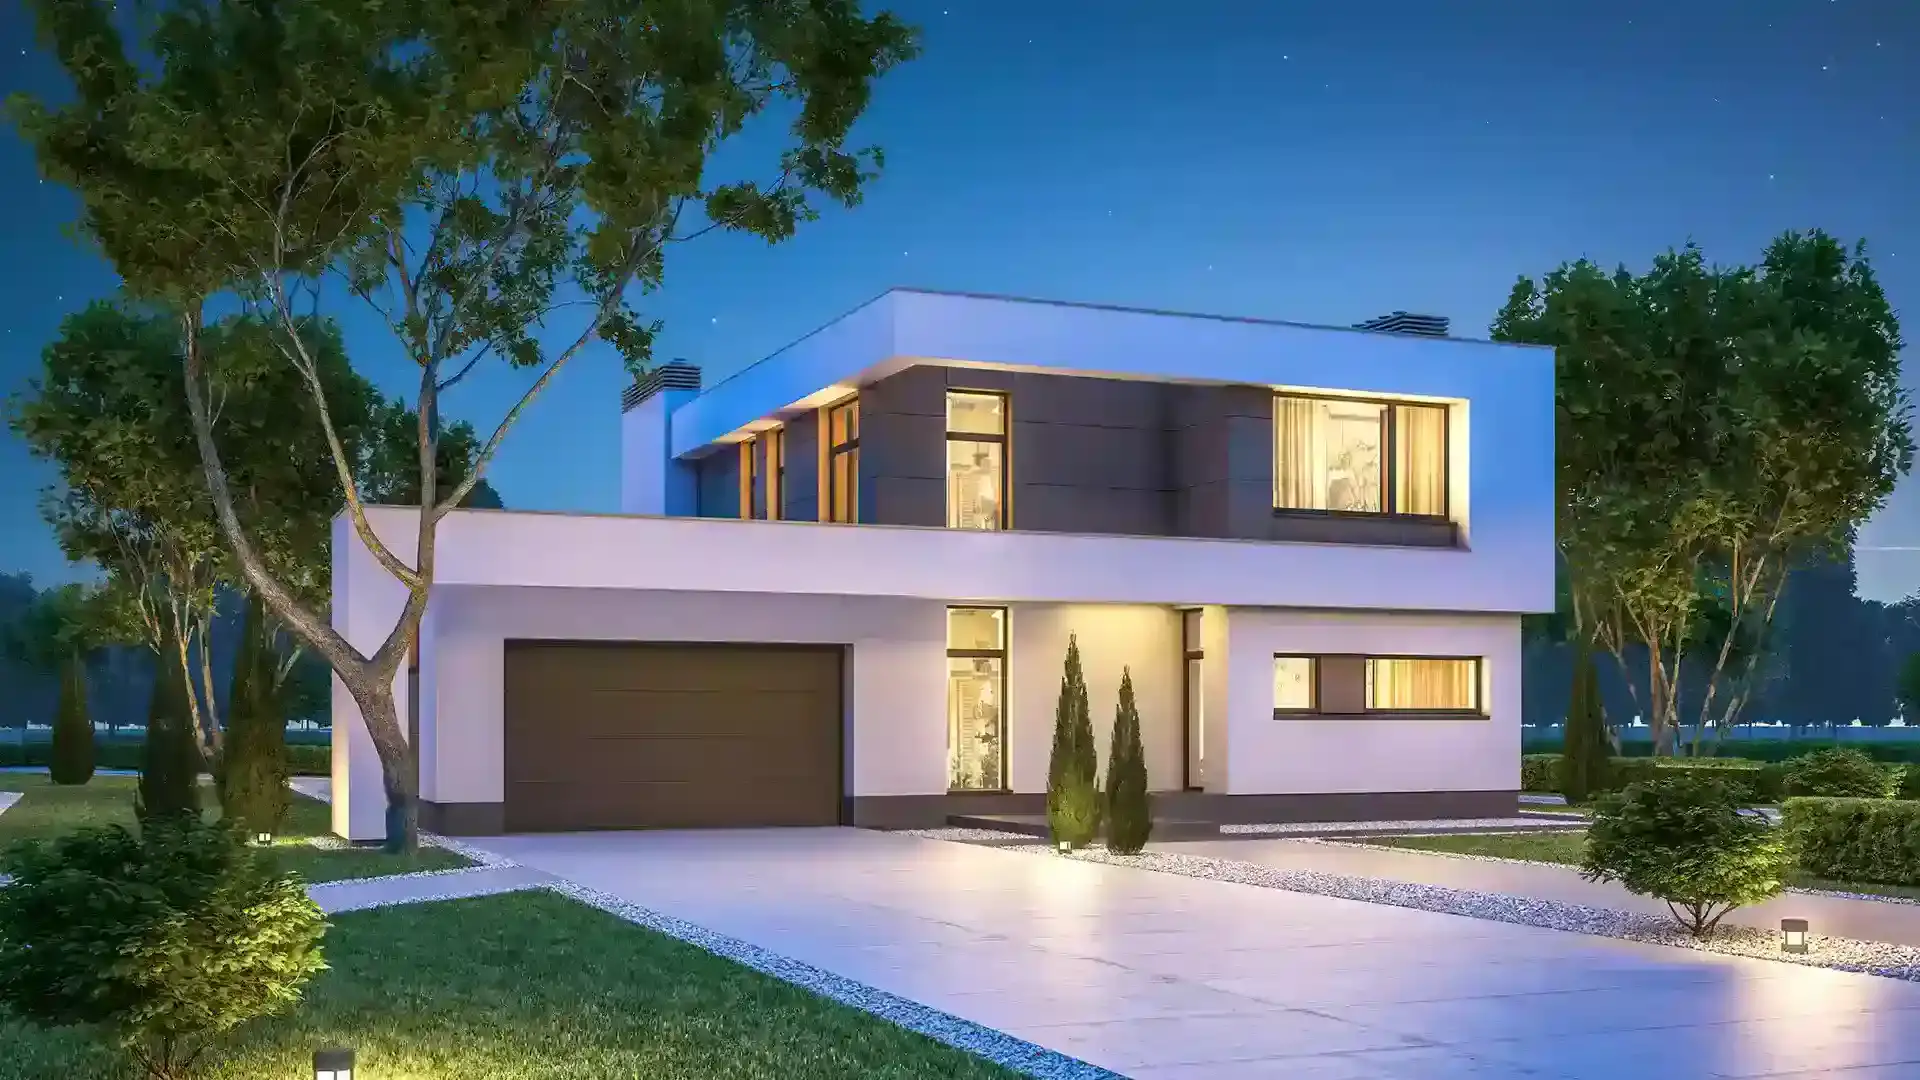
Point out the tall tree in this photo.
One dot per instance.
(1714, 425)
(64, 633)
(1073, 792)
(470, 168)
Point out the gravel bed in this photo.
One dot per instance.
(1840, 954)
(1472, 857)
(1310, 828)
(995, 1046)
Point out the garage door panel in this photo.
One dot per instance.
(634, 735)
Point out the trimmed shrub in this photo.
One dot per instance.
(1838, 774)
(1585, 762)
(1909, 782)
(1540, 773)
(170, 765)
(1129, 817)
(160, 942)
(1683, 839)
(1861, 840)
(71, 757)
(253, 773)
(1073, 793)
(1753, 749)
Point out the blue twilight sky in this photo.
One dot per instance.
(1297, 159)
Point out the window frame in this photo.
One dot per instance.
(1478, 682)
(1000, 654)
(1389, 457)
(850, 448)
(776, 469)
(1004, 513)
(1313, 685)
(1193, 646)
(749, 476)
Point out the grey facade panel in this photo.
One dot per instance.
(902, 500)
(1067, 508)
(1076, 455)
(903, 444)
(917, 391)
(719, 487)
(802, 493)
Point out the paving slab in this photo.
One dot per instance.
(358, 895)
(1160, 977)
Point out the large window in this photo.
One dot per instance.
(776, 466)
(1359, 457)
(1294, 684)
(843, 461)
(1423, 684)
(976, 698)
(976, 460)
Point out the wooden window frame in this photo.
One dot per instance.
(833, 452)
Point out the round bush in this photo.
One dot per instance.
(1682, 838)
(161, 941)
(1838, 774)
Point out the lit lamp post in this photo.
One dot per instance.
(1793, 935)
(333, 1063)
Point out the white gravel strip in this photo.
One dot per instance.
(1472, 857)
(1840, 954)
(995, 1046)
(8, 798)
(1309, 828)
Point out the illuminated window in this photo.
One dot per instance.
(976, 460)
(1293, 689)
(1359, 457)
(751, 505)
(976, 698)
(1423, 684)
(843, 461)
(776, 466)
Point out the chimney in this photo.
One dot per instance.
(1401, 322)
(672, 375)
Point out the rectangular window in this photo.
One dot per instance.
(776, 466)
(843, 461)
(750, 504)
(1293, 684)
(1359, 457)
(976, 698)
(1423, 684)
(976, 460)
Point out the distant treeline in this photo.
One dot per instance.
(1832, 658)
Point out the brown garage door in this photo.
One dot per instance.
(625, 735)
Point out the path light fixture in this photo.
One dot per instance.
(1793, 935)
(263, 839)
(1066, 847)
(333, 1063)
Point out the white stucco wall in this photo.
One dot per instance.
(1269, 755)
(1112, 636)
(367, 602)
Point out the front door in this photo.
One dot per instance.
(1195, 701)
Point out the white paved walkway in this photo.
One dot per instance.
(1162, 977)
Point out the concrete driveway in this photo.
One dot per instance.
(1161, 977)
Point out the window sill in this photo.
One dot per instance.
(1382, 714)
(1356, 515)
(964, 792)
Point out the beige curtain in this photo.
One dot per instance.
(1443, 685)
(1299, 474)
(1420, 459)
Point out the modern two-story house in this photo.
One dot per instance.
(843, 581)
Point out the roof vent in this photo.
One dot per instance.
(1401, 322)
(672, 375)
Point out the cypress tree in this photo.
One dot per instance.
(170, 762)
(1129, 817)
(72, 760)
(253, 774)
(1585, 760)
(1073, 794)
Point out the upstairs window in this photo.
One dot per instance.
(776, 468)
(1359, 457)
(752, 504)
(976, 460)
(843, 461)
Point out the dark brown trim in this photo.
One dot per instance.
(932, 811)
(1477, 710)
(848, 448)
(1000, 696)
(1004, 440)
(1389, 458)
(463, 819)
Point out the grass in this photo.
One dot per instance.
(48, 810)
(539, 987)
(1568, 845)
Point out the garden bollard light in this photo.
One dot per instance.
(1793, 935)
(333, 1063)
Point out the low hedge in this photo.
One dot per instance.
(304, 759)
(1761, 750)
(1753, 781)
(1872, 841)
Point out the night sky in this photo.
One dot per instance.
(1305, 160)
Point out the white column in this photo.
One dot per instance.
(652, 481)
(367, 602)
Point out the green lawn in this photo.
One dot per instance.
(1567, 845)
(49, 810)
(533, 986)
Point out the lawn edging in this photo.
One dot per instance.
(1838, 954)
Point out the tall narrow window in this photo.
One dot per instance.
(751, 505)
(776, 466)
(1196, 703)
(976, 698)
(1359, 457)
(976, 460)
(1423, 684)
(1293, 684)
(843, 461)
